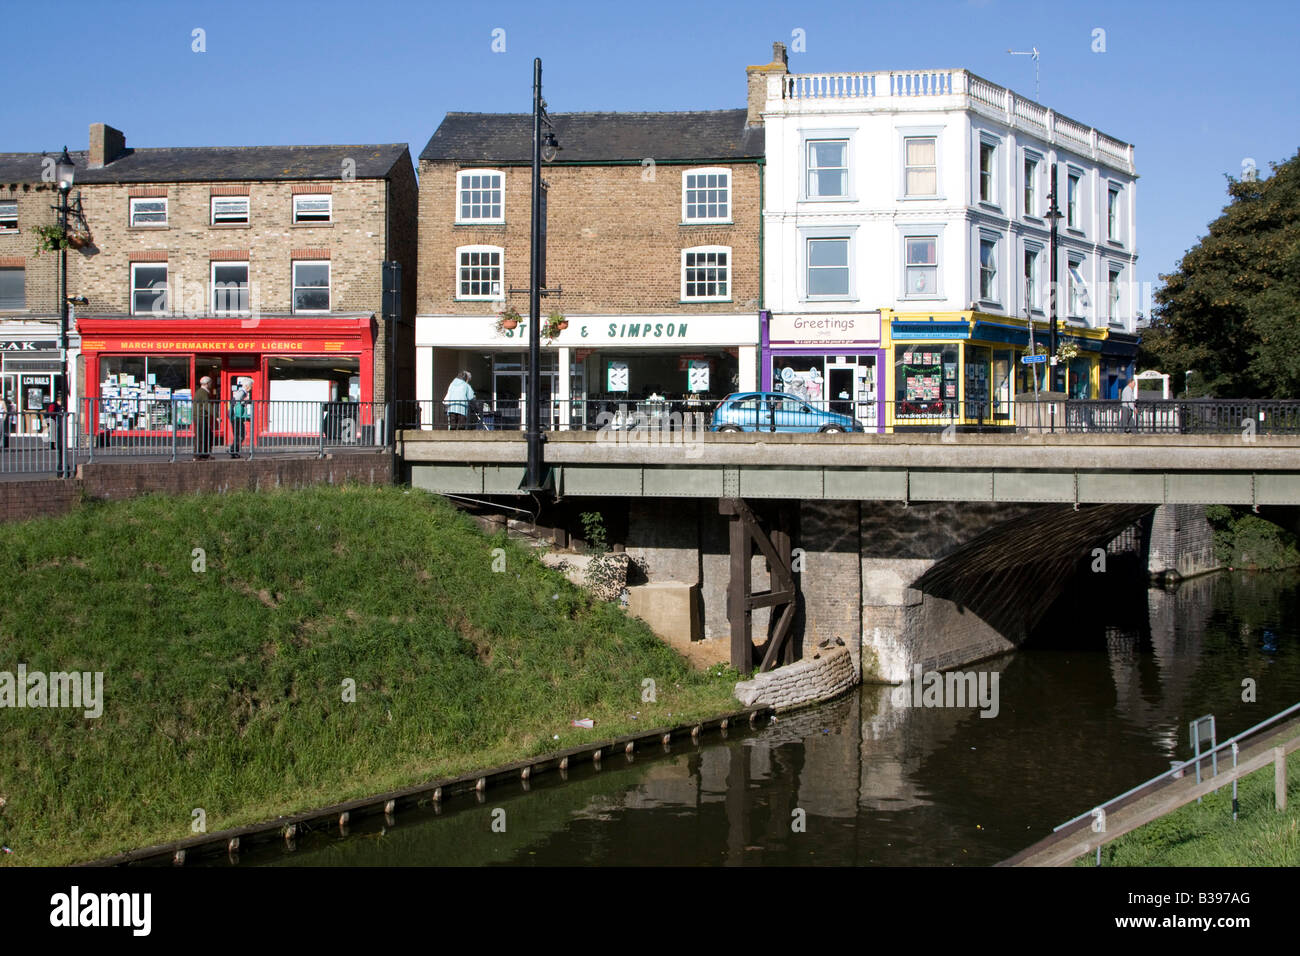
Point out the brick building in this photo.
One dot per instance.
(29, 315)
(259, 263)
(652, 225)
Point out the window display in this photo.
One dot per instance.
(926, 380)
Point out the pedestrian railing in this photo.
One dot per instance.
(180, 429)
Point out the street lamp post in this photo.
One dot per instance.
(1053, 216)
(65, 172)
(533, 478)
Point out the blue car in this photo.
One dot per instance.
(777, 412)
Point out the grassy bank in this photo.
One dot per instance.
(224, 686)
(1205, 834)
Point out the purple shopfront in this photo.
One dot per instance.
(834, 361)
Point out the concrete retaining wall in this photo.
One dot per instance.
(828, 673)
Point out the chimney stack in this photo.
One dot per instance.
(757, 76)
(106, 145)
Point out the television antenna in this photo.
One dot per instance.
(1031, 52)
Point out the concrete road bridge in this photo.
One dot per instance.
(935, 549)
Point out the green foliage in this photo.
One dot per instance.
(222, 688)
(1242, 539)
(1231, 311)
(593, 530)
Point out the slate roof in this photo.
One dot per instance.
(506, 138)
(215, 164)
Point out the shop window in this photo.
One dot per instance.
(149, 212)
(13, 288)
(828, 168)
(311, 287)
(925, 380)
(705, 273)
(480, 196)
(230, 288)
(828, 267)
(989, 270)
(313, 208)
(479, 272)
(921, 172)
(143, 392)
(229, 210)
(978, 399)
(921, 264)
(148, 288)
(9, 215)
(706, 195)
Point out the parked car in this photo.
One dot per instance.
(777, 412)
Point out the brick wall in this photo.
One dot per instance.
(614, 239)
(21, 500)
(42, 277)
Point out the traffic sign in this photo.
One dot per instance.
(1033, 359)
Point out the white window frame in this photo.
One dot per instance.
(706, 171)
(919, 132)
(995, 146)
(166, 212)
(500, 293)
(1033, 295)
(293, 286)
(1114, 293)
(212, 285)
(6, 224)
(809, 136)
(312, 197)
(846, 233)
(462, 219)
(995, 240)
(1074, 206)
(135, 287)
(212, 211)
(921, 231)
(1031, 187)
(1075, 294)
(1115, 220)
(708, 250)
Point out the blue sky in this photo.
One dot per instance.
(1196, 86)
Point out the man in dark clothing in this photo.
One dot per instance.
(203, 419)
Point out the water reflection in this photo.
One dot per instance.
(1097, 701)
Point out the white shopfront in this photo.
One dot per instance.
(598, 361)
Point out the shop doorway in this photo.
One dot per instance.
(510, 391)
(839, 380)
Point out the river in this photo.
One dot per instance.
(1096, 701)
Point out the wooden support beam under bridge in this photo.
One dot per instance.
(775, 539)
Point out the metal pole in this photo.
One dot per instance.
(1054, 214)
(533, 431)
(57, 421)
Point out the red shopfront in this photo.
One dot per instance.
(138, 372)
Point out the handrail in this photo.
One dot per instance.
(1176, 771)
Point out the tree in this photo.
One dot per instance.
(1231, 312)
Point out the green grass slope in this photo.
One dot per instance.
(224, 687)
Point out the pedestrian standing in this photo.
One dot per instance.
(203, 419)
(459, 395)
(1128, 399)
(239, 414)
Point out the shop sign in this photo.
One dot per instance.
(829, 330)
(29, 345)
(210, 345)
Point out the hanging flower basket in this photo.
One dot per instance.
(507, 320)
(553, 325)
(1067, 351)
